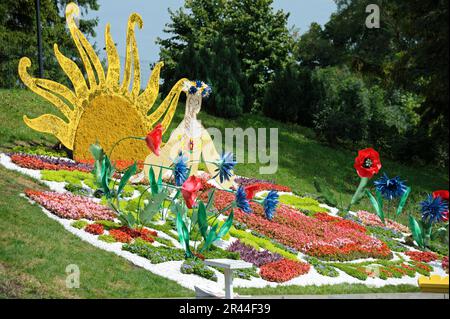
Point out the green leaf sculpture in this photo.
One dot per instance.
(126, 177)
(202, 219)
(378, 208)
(403, 200)
(183, 235)
(416, 231)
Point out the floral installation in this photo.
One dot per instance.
(422, 256)
(283, 270)
(39, 162)
(71, 206)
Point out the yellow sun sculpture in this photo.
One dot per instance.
(100, 107)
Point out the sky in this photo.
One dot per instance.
(155, 15)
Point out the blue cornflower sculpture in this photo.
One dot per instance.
(242, 201)
(433, 209)
(224, 166)
(270, 204)
(180, 169)
(390, 188)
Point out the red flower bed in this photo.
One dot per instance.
(422, 256)
(307, 234)
(143, 233)
(445, 264)
(39, 162)
(120, 236)
(283, 270)
(262, 185)
(95, 229)
(338, 221)
(71, 206)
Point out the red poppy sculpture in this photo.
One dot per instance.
(190, 189)
(154, 139)
(367, 163)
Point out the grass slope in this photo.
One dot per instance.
(36, 250)
(325, 290)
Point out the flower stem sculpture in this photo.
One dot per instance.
(433, 210)
(389, 189)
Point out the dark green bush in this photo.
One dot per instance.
(289, 97)
(342, 111)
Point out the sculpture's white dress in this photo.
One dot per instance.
(193, 140)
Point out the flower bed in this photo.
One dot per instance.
(251, 255)
(370, 219)
(95, 229)
(283, 270)
(40, 162)
(309, 235)
(71, 206)
(340, 222)
(422, 256)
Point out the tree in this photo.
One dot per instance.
(258, 33)
(18, 36)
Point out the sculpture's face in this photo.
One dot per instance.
(194, 104)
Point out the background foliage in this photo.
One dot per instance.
(386, 88)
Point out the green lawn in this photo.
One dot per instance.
(36, 250)
(325, 290)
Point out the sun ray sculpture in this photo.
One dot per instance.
(100, 107)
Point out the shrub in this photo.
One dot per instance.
(199, 268)
(283, 270)
(282, 102)
(342, 111)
